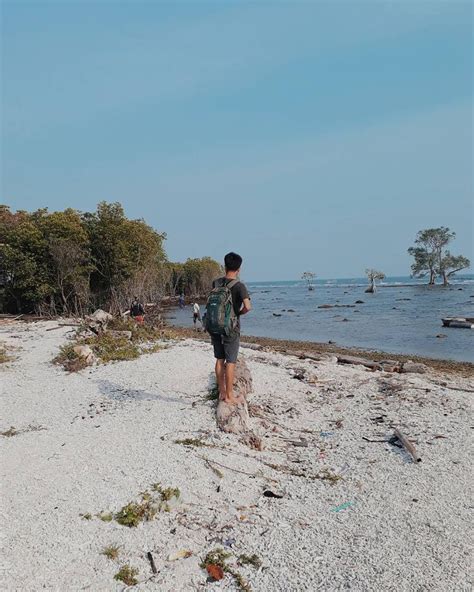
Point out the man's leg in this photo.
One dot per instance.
(231, 347)
(220, 378)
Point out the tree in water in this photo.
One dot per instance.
(308, 277)
(428, 252)
(372, 275)
(450, 264)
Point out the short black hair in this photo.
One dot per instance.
(232, 261)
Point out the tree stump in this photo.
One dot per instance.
(234, 418)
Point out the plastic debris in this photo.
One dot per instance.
(343, 506)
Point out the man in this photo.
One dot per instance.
(225, 334)
(136, 310)
(196, 313)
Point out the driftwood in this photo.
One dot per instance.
(407, 445)
(234, 418)
(360, 362)
(152, 562)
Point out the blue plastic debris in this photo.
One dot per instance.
(343, 506)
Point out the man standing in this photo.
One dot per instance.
(137, 311)
(228, 301)
(196, 313)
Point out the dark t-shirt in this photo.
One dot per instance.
(239, 292)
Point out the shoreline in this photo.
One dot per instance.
(292, 347)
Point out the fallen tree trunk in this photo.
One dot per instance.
(234, 418)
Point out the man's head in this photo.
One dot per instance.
(232, 262)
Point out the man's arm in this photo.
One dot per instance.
(246, 307)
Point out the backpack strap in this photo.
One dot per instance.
(233, 283)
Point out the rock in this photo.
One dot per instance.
(359, 302)
(101, 316)
(275, 314)
(413, 367)
(254, 346)
(86, 353)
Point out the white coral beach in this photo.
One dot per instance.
(108, 433)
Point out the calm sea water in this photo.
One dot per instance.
(404, 316)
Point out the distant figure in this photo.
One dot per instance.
(181, 300)
(227, 302)
(196, 313)
(137, 312)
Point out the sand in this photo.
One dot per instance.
(92, 441)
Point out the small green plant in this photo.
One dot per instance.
(166, 493)
(127, 575)
(135, 512)
(216, 557)
(106, 516)
(191, 442)
(151, 503)
(253, 560)
(111, 552)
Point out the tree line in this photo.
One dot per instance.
(72, 262)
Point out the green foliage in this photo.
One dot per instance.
(451, 264)
(113, 349)
(127, 575)
(151, 503)
(194, 277)
(430, 258)
(70, 262)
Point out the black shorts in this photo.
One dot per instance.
(226, 348)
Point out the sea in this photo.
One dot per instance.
(403, 316)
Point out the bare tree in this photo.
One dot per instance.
(308, 277)
(372, 275)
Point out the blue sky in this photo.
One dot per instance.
(304, 135)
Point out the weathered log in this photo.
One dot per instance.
(359, 361)
(234, 418)
(407, 445)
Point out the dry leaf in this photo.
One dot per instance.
(215, 571)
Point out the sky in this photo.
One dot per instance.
(316, 135)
